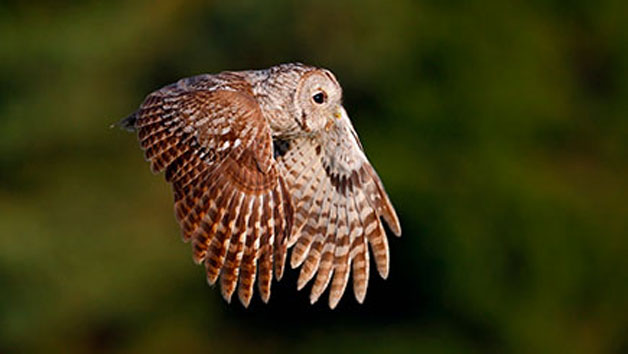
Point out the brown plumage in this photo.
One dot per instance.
(264, 160)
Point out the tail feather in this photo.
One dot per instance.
(127, 123)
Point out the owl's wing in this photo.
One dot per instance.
(230, 200)
(338, 201)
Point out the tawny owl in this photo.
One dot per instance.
(261, 161)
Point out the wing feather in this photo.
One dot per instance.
(265, 266)
(283, 223)
(313, 227)
(219, 243)
(230, 270)
(210, 137)
(359, 251)
(342, 260)
(310, 266)
(325, 267)
(249, 259)
(209, 218)
(333, 184)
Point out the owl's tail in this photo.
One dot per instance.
(127, 123)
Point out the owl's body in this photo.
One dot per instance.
(263, 160)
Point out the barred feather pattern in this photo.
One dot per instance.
(337, 214)
(216, 150)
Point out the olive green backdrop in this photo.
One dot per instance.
(500, 129)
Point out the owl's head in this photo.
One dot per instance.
(318, 100)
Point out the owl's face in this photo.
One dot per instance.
(318, 100)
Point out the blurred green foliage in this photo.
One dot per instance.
(499, 128)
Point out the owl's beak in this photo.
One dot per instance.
(336, 116)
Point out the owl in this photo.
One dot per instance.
(263, 161)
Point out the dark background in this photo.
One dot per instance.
(500, 129)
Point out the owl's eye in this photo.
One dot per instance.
(319, 97)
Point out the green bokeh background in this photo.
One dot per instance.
(500, 129)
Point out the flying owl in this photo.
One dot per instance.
(265, 160)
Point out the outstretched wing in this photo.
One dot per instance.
(338, 200)
(230, 200)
